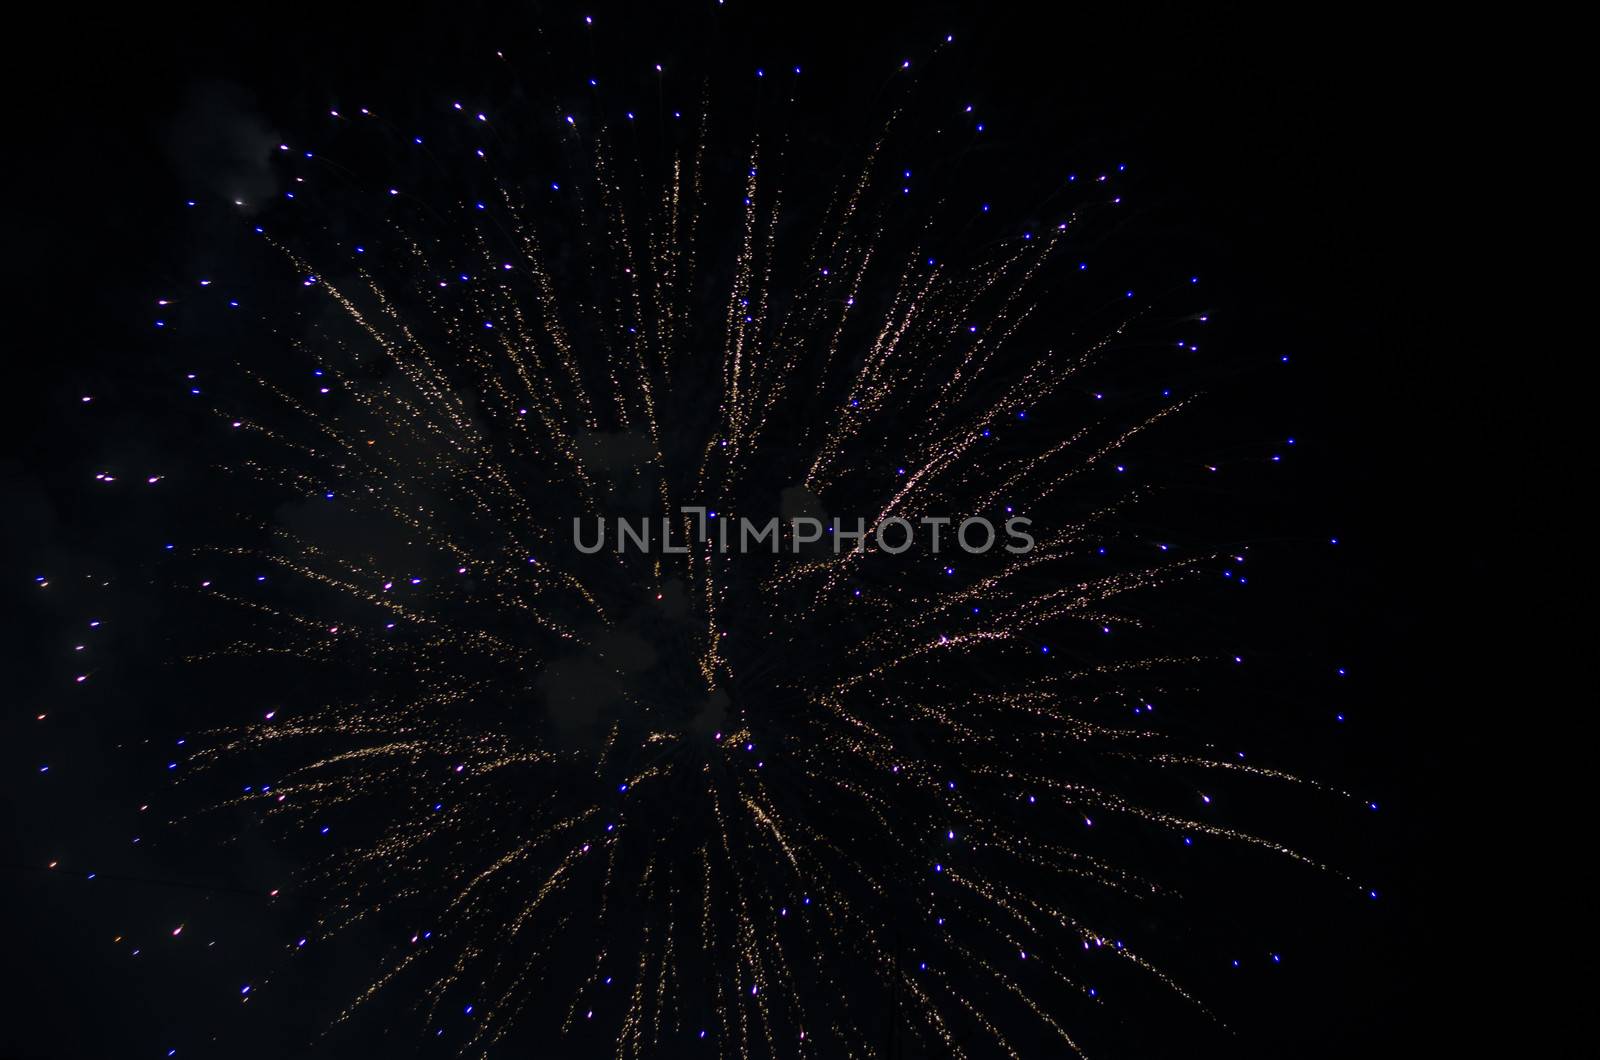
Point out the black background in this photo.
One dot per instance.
(1303, 154)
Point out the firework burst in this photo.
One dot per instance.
(806, 800)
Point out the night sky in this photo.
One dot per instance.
(1285, 164)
